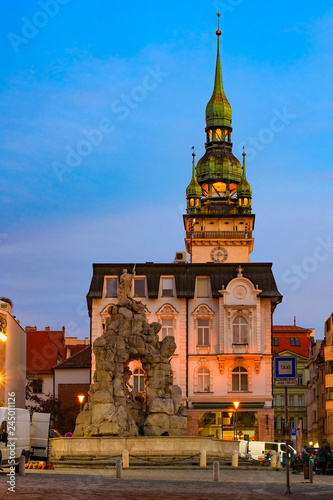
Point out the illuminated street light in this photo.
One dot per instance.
(236, 404)
(3, 336)
(81, 399)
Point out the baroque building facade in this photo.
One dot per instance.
(218, 306)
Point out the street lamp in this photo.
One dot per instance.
(81, 399)
(236, 404)
(3, 336)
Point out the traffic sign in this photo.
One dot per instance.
(293, 433)
(284, 367)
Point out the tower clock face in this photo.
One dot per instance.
(219, 254)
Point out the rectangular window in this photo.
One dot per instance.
(299, 379)
(329, 366)
(282, 401)
(203, 287)
(291, 422)
(203, 331)
(291, 401)
(140, 287)
(111, 287)
(167, 327)
(294, 341)
(275, 341)
(274, 400)
(329, 393)
(167, 287)
(37, 386)
(301, 400)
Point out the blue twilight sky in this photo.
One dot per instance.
(101, 102)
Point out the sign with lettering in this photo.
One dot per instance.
(284, 368)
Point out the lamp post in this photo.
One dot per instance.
(81, 399)
(236, 404)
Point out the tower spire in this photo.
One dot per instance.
(218, 111)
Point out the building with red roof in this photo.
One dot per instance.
(292, 341)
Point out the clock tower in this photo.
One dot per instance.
(219, 220)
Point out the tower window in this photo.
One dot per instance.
(218, 134)
(226, 135)
(192, 202)
(198, 202)
(210, 135)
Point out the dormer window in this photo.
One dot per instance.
(203, 287)
(140, 289)
(111, 287)
(167, 287)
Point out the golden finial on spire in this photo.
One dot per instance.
(243, 154)
(218, 32)
(193, 154)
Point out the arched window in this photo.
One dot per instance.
(203, 380)
(226, 134)
(218, 134)
(239, 379)
(210, 135)
(239, 330)
(138, 380)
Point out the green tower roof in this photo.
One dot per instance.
(194, 188)
(218, 110)
(244, 188)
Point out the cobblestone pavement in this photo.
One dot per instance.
(161, 484)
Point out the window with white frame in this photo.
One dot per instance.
(282, 401)
(203, 380)
(140, 289)
(301, 400)
(239, 379)
(292, 422)
(111, 287)
(239, 330)
(203, 287)
(299, 379)
(167, 327)
(139, 380)
(291, 400)
(167, 289)
(203, 332)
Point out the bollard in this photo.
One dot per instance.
(216, 471)
(306, 470)
(125, 459)
(234, 462)
(22, 465)
(118, 468)
(273, 458)
(203, 458)
(311, 471)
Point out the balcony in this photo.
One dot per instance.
(219, 235)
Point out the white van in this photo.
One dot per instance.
(19, 436)
(243, 448)
(259, 449)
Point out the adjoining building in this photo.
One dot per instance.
(317, 419)
(328, 352)
(218, 306)
(292, 341)
(12, 357)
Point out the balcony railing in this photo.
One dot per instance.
(241, 235)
